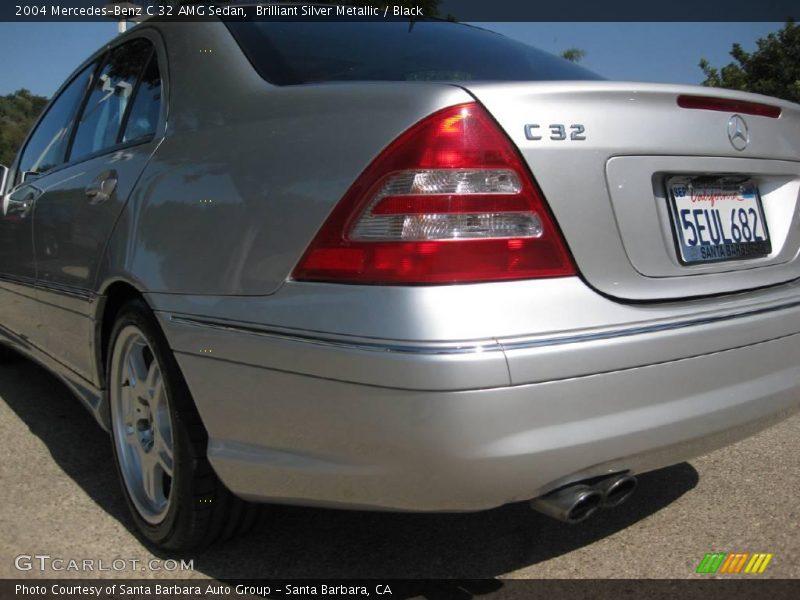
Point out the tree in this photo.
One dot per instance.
(575, 55)
(18, 111)
(773, 69)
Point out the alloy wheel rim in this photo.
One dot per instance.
(142, 424)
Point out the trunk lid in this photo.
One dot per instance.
(604, 159)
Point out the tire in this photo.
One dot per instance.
(159, 442)
(7, 355)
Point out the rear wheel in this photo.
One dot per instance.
(159, 442)
(7, 354)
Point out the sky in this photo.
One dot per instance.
(39, 56)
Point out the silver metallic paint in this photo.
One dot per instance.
(439, 397)
(248, 171)
(297, 439)
(646, 232)
(630, 120)
(482, 362)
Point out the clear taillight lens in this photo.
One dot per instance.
(449, 201)
(448, 204)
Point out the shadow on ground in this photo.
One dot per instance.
(294, 543)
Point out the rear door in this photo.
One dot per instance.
(117, 131)
(44, 152)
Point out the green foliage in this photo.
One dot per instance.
(18, 111)
(575, 55)
(773, 69)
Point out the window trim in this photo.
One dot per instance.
(101, 60)
(16, 182)
(100, 66)
(124, 124)
(148, 32)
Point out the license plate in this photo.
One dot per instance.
(717, 218)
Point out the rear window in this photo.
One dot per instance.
(290, 53)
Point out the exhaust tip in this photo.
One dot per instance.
(618, 489)
(571, 504)
(585, 506)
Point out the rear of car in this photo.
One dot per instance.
(480, 291)
(403, 266)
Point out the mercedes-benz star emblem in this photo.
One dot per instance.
(738, 133)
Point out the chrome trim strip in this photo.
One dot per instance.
(433, 348)
(22, 281)
(522, 343)
(66, 290)
(56, 288)
(34, 284)
(467, 347)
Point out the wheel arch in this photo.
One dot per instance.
(114, 295)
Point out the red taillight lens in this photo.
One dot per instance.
(449, 201)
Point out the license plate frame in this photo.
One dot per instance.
(707, 193)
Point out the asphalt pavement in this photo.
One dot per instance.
(60, 497)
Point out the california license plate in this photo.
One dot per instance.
(717, 218)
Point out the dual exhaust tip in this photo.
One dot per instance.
(576, 502)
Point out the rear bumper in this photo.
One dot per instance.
(320, 422)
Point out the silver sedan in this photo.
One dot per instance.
(416, 268)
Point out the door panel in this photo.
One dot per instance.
(80, 204)
(43, 151)
(71, 229)
(20, 315)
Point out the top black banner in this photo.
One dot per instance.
(461, 10)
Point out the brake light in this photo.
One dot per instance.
(729, 105)
(449, 201)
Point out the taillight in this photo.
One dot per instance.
(449, 201)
